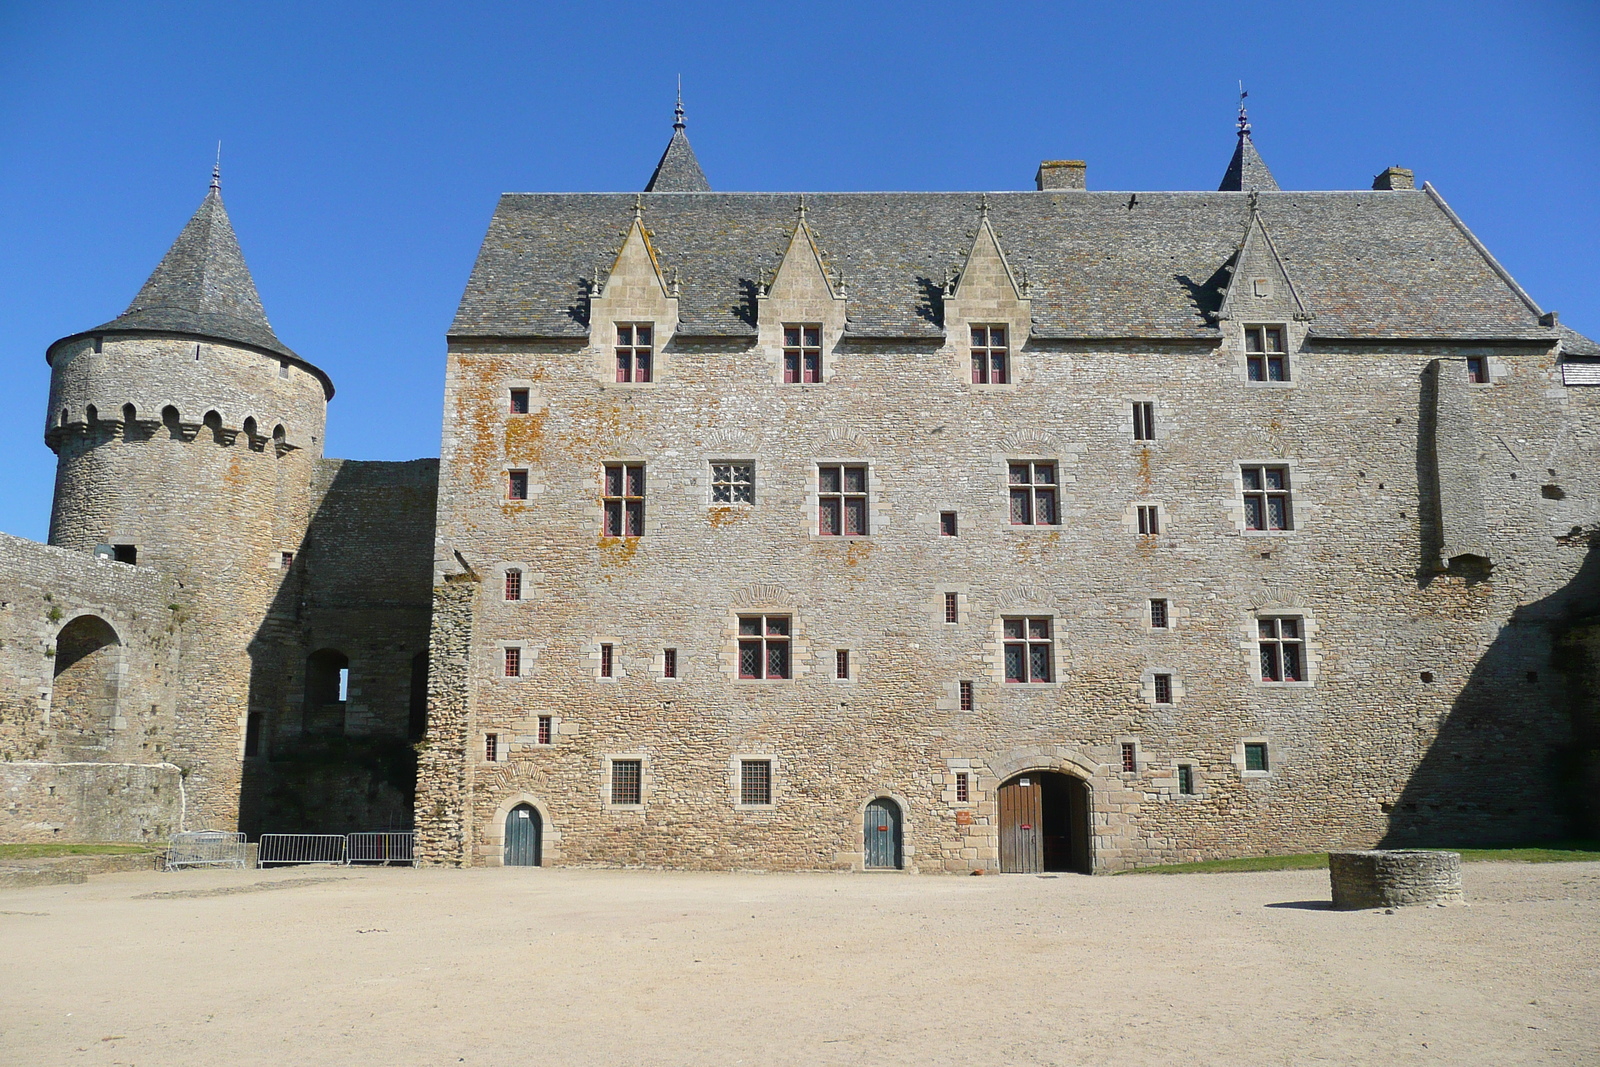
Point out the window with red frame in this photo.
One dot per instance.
(624, 499)
(544, 729)
(1033, 494)
(990, 358)
(952, 607)
(802, 354)
(764, 646)
(966, 696)
(634, 351)
(669, 663)
(513, 663)
(516, 485)
(1028, 649)
(513, 584)
(842, 500)
(519, 401)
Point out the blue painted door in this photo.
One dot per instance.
(523, 832)
(880, 832)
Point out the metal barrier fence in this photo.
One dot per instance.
(380, 848)
(208, 848)
(302, 848)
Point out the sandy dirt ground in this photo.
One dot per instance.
(524, 966)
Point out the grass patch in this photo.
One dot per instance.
(46, 849)
(1574, 852)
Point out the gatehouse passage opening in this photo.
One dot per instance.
(1044, 823)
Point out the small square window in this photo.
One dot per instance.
(966, 696)
(1130, 757)
(947, 524)
(733, 483)
(626, 781)
(1265, 356)
(764, 646)
(1477, 370)
(990, 356)
(126, 554)
(1144, 420)
(623, 499)
(513, 663)
(491, 748)
(1163, 687)
(1185, 779)
(1033, 494)
(519, 401)
(634, 351)
(513, 583)
(1149, 520)
(755, 781)
(842, 500)
(285, 560)
(544, 729)
(841, 663)
(607, 659)
(963, 787)
(952, 607)
(669, 663)
(802, 354)
(516, 485)
(1158, 614)
(1255, 756)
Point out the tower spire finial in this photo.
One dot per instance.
(1244, 117)
(677, 121)
(216, 171)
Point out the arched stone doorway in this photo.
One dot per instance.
(883, 836)
(1044, 823)
(83, 696)
(524, 840)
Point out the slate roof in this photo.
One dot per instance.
(1247, 170)
(201, 288)
(1576, 344)
(679, 171)
(1367, 264)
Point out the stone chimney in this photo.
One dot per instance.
(1395, 178)
(1060, 174)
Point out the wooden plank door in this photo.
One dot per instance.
(880, 835)
(1021, 835)
(523, 833)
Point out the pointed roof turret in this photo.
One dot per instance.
(1247, 170)
(202, 287)
(679, 171)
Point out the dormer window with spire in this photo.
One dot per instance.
(1266, 356)
(802, 354)
(990, 356)
(634, 351)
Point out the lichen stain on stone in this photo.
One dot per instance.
(524, 438)
(599, 425)
(721, 517)
(1144, 467)
(234, 477)
(857, 551)
(477, 404)
(617, 551)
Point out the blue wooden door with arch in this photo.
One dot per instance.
(524, 833)
(881, 835)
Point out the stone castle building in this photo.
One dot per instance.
(1057, 529)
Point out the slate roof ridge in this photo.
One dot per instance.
(1488, 257)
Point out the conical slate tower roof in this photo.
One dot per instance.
(678, 171)
(202, 287)
(1246, 170)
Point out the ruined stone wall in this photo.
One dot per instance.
(1429, 710)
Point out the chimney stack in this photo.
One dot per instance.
(1395, 178)
(1060, 174)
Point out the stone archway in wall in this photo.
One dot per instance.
(492, 835)
(1047, 824)
(84, 694)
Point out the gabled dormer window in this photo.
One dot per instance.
(991, 360)
(1266, 357)
(635, 349)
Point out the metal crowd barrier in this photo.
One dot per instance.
(208, 848)
(380, 848)
(302, 848)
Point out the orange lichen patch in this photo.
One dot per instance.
(233, 478)
(1144, 466)
(598, 424)
(720, 517)
(478, 410)
(525, 438)
(856, 552)
(617, 551)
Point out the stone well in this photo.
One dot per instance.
(1386, 878)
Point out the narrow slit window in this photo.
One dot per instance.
(491, 748)
(966, 696)
(802, 354)
(1163, 688)
(1130, 757)
(544, 729)
(1265, 354)
(514, 584)
(669, 663)
(764, 646)
(1185, 779)
(1149, 520)
(755, 781)
(842, 500)
(1033, 494)
(963, 787)
(952, 607)
(1028, 649)
(513, 663)
(947, 524)
(1267, 504)
(519, 401)
(624, 499)
(1159, 614)
(626, 781)
(252, 733)
(1144, 420)
(607, 661)
(841, 663)
(990, 356)
(635, 350)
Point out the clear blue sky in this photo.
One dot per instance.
(364, 145)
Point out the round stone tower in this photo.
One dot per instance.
(187, 436)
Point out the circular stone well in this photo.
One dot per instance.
(1387, 878)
